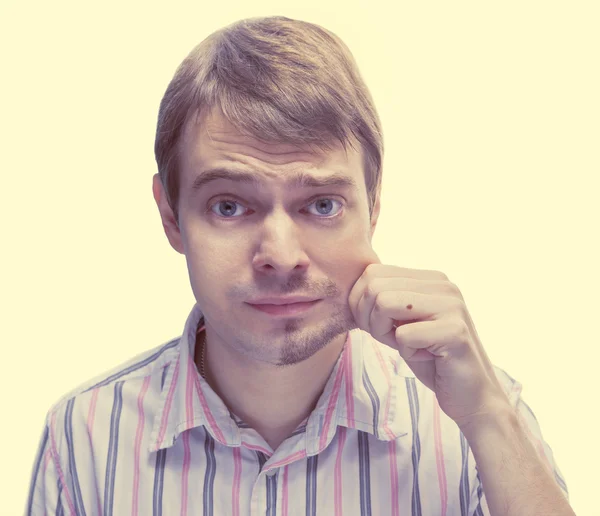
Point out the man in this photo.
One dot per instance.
(309, 378)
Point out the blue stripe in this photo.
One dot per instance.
(464, 491)
(311, 485)
(561, 482)
(262, 458)
(374, 401)
(271, 495)
(137, 365)
(163, 376)
(271, 489)
(59, 507)
(479, 510)
(209, 475)
(364, 468)
(36, 469)
(113, 448)
(79, 506)
(159, 476)
(413, 401)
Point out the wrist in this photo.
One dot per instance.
(502, 420)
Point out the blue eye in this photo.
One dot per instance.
(225, 201)
(322, 204)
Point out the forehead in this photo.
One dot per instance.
(214, 143)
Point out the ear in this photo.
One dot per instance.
(166, 214)
(375, 215)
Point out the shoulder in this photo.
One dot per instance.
(149, 362)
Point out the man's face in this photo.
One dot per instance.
(244, 242)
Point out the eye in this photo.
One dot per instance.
(322, 204)
(226, 202)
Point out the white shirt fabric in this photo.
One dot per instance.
(151, 437)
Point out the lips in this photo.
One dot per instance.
(282, 300)
(285, 309)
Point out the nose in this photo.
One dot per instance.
(281, 246)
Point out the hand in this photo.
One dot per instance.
(423, 315)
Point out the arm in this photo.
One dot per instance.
(46, 493)
(515, 480)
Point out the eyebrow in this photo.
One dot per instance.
(296, 180)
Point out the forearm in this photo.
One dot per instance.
(515, 480)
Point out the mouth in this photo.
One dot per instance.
(286, 309)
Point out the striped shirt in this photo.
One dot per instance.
(151, 437)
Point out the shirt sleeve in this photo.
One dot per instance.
(47, 494)
(478, 505)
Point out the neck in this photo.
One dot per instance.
(272, 400)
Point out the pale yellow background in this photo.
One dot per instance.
(491, 118)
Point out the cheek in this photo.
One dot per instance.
(205, 264)
(351, 265)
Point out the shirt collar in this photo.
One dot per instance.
(361, 393)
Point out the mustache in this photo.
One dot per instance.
(330, 290)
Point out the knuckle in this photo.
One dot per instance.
(369, 269)
(457, 305)
(460, 329)
(452, 289)
(370, 291)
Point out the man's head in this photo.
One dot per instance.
(274, 98)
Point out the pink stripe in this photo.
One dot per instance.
(57, 465)
(92, 413)
(333, 400)
(47, 457)
(349, 387)
(337, 479)
(290, 458)
(395, 487)
(439, 457)
(168, 403)
(255, 447)
(386, 373)
(237, 481)
(138, 443)
(184, 473)
(394, 363)
(90, 425)
(284, 496)
(189, 417)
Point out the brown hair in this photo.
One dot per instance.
(275, 79)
